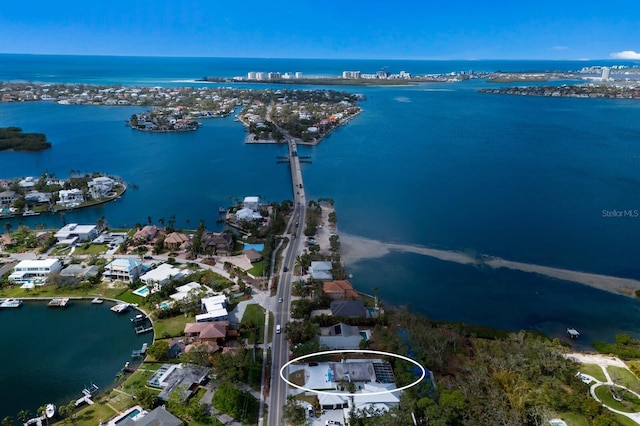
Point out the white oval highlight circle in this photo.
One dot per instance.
(353, 351)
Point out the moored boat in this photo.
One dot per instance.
(58, 302)
(97, 301)
(10, 303)
(120, 308)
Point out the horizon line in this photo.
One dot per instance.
(315, 58)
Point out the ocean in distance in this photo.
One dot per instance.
(437, 165)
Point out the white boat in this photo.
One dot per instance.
(50, 410)
(30, 213)
(97, 301)
(10, 303)
(120, 308)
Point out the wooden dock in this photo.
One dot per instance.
(141, 329)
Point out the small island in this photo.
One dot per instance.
(14, 139)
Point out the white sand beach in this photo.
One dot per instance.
(358, 248)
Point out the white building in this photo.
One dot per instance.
(27, 183)
(251, 75)
(125, 269)
(247, 214)
(214, 308)
(606, 73)
(252, 203)
(34, 271)
(72, 233)
(101, 186)
(161, 275)
(70, 197)
(184, 291)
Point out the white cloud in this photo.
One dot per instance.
(560, 48)
(626, 54)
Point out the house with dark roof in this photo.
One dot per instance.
(340, 336)
(253, 255)
(348, 308)
(217, 244)
(158, 417)
(146, 234)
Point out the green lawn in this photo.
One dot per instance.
(629, 403)
(90, 249)
(593, 370)
(91, 415)
(258, 269)
(253, 317)
(573, 419)
(624, 377)
(129, 297)
(171, 327)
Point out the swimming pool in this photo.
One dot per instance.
(256, 247)
(142, 291)
(133, 413)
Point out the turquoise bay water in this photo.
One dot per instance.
(50, 355)
(439, 165)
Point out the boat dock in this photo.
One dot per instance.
(87, 393)
(573, 333)
(35, 421)
(141, 329)
(138, 318)
(138, 353)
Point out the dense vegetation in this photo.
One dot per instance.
(12, 138)
(522, 379)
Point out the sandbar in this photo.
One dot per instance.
(358, 248)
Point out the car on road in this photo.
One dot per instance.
(285, 269)
(279, 299)
(278, 329)
(332, 422)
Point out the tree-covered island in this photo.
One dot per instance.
(13, 138)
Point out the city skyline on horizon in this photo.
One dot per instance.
(290, 30)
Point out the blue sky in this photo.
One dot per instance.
(410, 29)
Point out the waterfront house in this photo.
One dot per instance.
(146, 234)
(321, 270)
(36, 197)
(34, 272)
(252, 203)
(124, 269)
(253, 255)
(27, 183)
(156, 417)
(348, 308)
(7, 198)
(73, 233)
(101, 187)
(215, 332)
(75, 273)
(70, 197)
(162, 275)
(192, 288)
(217, 244)
(176, 240)
(340, 290)
(169, 377)
(247, 214)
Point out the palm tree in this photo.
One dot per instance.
(7, 421)
(161, 220)
(8, 226)
(375, 291)
(23, 415)
(149, 220)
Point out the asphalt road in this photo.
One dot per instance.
(280, 345)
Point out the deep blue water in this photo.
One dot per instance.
(50, 355)
(441, 165)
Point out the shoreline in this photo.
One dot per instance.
(356, 248)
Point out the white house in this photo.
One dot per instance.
(27, 183)
(72, 233)
(161, 275)
(252, 203)
(101, 186)
(34, 271)
(183, 291)
(125, 269)
(70, 197)
(214, 308)
(247, 214)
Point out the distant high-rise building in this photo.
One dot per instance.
(251, 75)
(606, 72)
(274, 76)
(261, 76)
(298, 74)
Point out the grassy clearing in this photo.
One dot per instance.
(297, 377)
(624, 377)
(574, 419)
(129, 297)
(253, 318)
(593, 370)
(258, 269)
(171, 327)
(91, 415)
(90, 249)
(629, 403)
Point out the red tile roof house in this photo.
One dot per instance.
(340, 290)
(146, 234)
(215, 332)
(176, 240)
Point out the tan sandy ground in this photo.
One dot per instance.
(357, 248)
